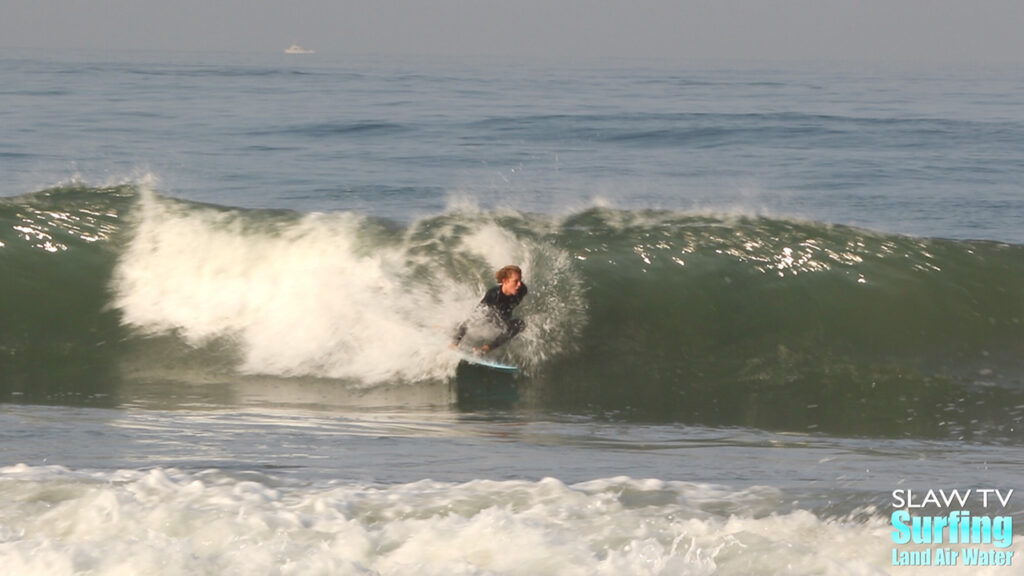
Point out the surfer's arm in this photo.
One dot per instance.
(486, 303)
(460, 333)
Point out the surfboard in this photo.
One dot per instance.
(470, 358)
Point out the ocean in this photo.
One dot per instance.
(771, 308)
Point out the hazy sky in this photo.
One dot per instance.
(972, 31)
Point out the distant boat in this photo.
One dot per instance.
(296, 49)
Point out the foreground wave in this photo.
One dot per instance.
(720, 320)
(166, 521)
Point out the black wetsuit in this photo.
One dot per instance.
(498, 308)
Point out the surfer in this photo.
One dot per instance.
(497, 305)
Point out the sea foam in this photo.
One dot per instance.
(329, 295)
(167, 521)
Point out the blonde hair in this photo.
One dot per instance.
(507, 271)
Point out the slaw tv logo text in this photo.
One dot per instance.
(938, 528)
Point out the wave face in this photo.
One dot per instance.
(794, 324)
(57, 252)
(653, 315)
